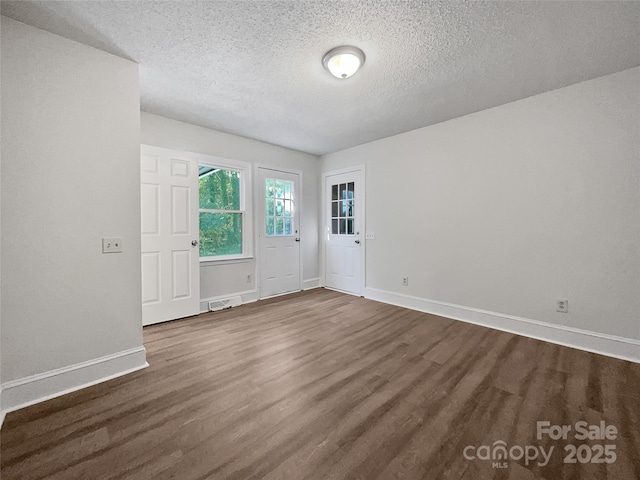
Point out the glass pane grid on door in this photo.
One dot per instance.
(279, 208)
(342, 209)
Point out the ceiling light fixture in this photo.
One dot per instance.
(343, 62)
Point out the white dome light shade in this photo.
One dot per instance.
(343, 62)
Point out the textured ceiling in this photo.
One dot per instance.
(253, 68)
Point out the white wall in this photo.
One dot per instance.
(221, 279)
(70, 176)
(1, 411)
(508, 209)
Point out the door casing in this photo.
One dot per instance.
(324, 227)
(259, 208)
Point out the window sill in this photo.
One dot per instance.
(206, 262)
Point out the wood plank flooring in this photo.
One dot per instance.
(321, 385)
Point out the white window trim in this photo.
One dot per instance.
(246, 203)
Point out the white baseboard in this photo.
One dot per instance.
(595, 342)
(311, 283)
(248, 296)
(27, 391)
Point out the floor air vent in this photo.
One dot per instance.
(223, 303)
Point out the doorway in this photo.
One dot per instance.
(169, 214)
(278, 199)
(344, 230)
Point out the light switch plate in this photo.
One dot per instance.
(371, 236)
(112, 245)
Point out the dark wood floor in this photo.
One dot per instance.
(323, 385)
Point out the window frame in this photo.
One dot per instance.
(293, 209)
(345, 208)
(244, 169)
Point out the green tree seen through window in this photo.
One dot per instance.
(220, 212)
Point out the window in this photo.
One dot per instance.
(279, 215)
(222, 213)
(342, 208)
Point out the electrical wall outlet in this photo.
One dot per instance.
(405, 281)
(112, 245)
(562, 306)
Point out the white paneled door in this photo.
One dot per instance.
(279, 201)
(344, 235)
(170, 231)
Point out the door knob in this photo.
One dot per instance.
(357, 241)
(297, 239)
(194, 243)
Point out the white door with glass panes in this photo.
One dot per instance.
(279, 232)
(343, 228)
(169, 214)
